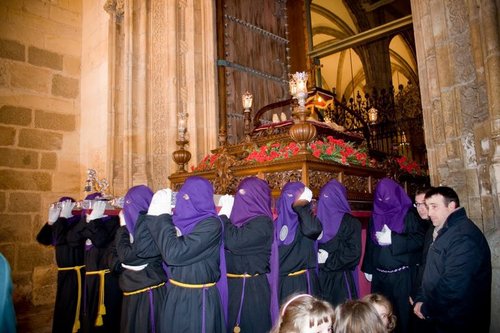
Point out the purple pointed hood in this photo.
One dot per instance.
(332, 205)
(252, 198)
(93, 196)
(390, 205)
(136, 200)
(286, 215)
(194, 203)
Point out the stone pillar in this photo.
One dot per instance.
(163, 66)
(458, 57)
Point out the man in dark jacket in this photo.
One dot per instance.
(456, 288)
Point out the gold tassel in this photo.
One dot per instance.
(102, 309)
(98, 321)
(76, 326)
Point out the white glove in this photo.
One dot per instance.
(161, 203)
(54, 212)
(226, 203)
(384, 236)
(122, 219)
(368, 277)
(66, 208)
(98, 208)
(322, 256)
(306, 195)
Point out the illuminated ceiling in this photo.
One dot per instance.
(332, 21)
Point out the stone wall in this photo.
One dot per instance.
(40, 47)
(458, 53)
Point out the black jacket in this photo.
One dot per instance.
(456, 286)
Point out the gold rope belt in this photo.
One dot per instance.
(135, 292)
(76, 323)
(297, 272)
(241, 276)
(102, 308)
(191, 286)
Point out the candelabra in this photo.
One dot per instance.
(246, 100)
(181, 156)
(301, 131)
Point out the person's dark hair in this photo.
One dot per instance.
(357, 317)
(300, 311)
(383, 301)
(448, 194)
(422, 190)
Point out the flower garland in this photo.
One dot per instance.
(273, 151)
(409, 166)
(207, 163)
(329, 149)
(339, 151)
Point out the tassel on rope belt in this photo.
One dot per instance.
(302, 271)
(76, 323)
(102, 308)
(151, 302)
(243, 276)
(204, 287)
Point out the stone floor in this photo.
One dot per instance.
(34, 318)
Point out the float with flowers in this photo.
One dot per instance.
(297, 144)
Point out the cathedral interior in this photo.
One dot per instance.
(146, 92)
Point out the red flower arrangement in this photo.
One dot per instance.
(339, 151)
(330, 149)
(207, 163)
(273, 151)
(409, 166)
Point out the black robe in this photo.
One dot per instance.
(248, 250)
(68, 254)
(100, 255)
(136, 309)
(299, 255)
(191, 259)
(344, 252)
(405, 251)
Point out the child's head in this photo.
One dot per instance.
(305, 314)
(357, 317)
(384, 309)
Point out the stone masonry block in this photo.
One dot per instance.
(4, 74)
(30, 77)
(44, 275)
(3, 201)
(54, 121)
(15, 115)
(10, 49)
(39, 139)
(65, 86)
(9, 252)
(44, 58)
(24, 202)
(15, 228)
(18, 158)
(32, 254)
(7, 135)
(43, 294)
(25, 180)
(71, 65)
(48, 161)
